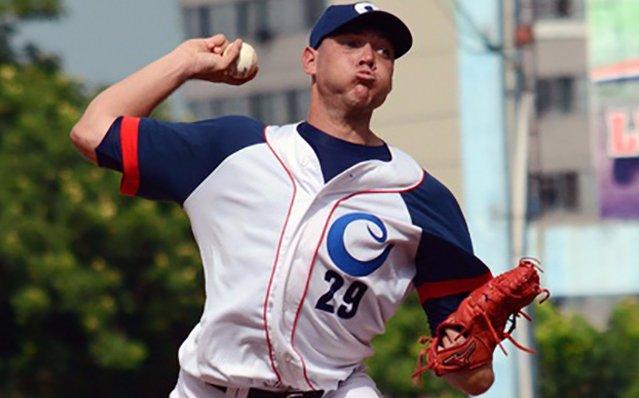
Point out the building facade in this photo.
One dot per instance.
(566, 230)
(562, 174)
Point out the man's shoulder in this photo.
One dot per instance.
(431, 198)
(434, 209)
(432, 189)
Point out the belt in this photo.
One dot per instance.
(257, 393)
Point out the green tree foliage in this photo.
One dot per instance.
(621, 349)
(574, 358)
(94, 287)
(395, 356)
(96, 290)
(577, 360)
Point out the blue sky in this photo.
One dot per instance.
(103, 41)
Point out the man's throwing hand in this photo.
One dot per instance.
(209, 61)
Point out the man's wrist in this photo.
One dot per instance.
(184, 64)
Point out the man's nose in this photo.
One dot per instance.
(367, 56)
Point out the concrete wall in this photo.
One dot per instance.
(587, 257)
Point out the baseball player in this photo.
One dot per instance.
(311, 234)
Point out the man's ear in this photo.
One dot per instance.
(309, 61)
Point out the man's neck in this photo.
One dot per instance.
(352, 128)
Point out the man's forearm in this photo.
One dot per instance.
(473, 382)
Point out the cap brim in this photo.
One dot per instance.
(397, 32)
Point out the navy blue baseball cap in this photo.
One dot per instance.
(365, 14)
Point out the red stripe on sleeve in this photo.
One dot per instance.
(431, 290)
(129, 143)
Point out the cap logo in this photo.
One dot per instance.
(365, 7)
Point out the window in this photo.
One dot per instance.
(191, 22)
(553, 192)
(223, 19)
(550, 9)
(204, 21)
(564, 94)
(196, 21)
(542, 97)
(563, 8)
(242, 19)
(253, 20)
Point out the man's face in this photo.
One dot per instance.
(354, 68)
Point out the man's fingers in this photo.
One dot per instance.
(216, 63)
(231, 53)
(455, 335)
(450, 338)
(218, 40)
(444, 343)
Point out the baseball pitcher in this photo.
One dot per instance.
(311, 234)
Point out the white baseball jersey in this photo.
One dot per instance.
(301, 274)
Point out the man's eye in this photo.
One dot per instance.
(385, 52)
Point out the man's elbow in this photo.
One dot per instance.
(89, 131)
(83, 141)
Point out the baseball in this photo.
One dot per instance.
(246, 62)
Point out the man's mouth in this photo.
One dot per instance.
(365, 76)
(366, 79)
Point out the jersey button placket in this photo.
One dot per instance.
(279, 306)
(299, 265)
(274, 310)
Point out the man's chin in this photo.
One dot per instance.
(362, 102)
(366, 104)
(361, 106)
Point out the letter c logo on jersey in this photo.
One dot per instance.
(340, 255)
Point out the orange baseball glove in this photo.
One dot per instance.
(481, 319)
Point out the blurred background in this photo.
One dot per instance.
(527, 109)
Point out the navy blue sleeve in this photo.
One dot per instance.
(109, 152)
(446, 268)
(167, 161)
